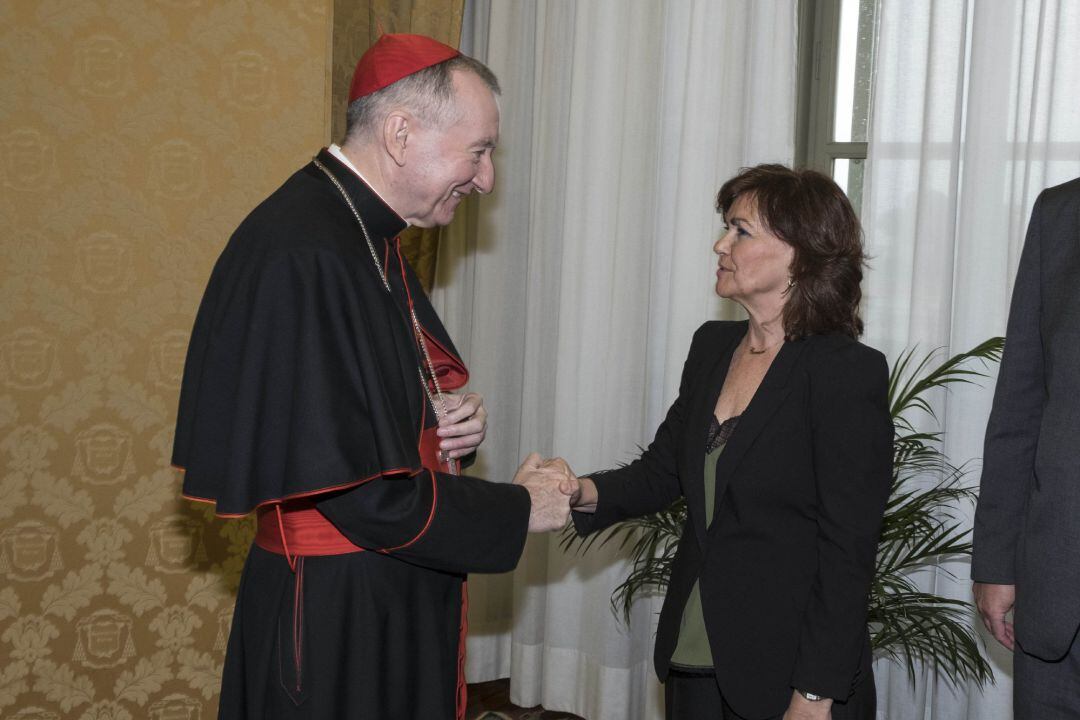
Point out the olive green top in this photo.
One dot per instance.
(693, 650)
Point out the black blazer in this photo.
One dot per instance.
(786, 565)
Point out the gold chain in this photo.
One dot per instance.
(440, 407)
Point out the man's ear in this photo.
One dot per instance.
(396, 135)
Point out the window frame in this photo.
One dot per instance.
(818, 48)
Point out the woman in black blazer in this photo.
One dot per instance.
(781, 442)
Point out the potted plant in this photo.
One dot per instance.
(919, 528)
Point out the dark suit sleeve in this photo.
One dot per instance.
(852, 436)
(1012, 432)
(446, 522)
(650, 483)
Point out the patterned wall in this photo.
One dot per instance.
(134, 135)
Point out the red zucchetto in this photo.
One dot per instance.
(393, 57)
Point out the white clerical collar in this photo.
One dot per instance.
(335, 150)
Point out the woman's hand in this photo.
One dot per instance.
(802, 709)
(585, 499)
(582, 490)
(464, 425)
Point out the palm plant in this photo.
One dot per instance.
(920, 528)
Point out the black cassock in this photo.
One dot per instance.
(301, 387)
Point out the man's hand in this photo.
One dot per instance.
(464, 425)
(550, 485)
(570, 485)
(802, 709)
(994, 601)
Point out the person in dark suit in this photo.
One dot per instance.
(781, 442)
(1027, 523)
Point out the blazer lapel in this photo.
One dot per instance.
(698, 427)
(770, 394)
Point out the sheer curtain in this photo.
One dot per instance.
(975, 111)
(573, 290)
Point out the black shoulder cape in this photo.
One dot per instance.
(301, 375)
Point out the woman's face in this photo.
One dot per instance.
(754, 264)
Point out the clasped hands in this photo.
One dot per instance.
(552, 487)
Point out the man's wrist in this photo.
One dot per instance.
(812, 697)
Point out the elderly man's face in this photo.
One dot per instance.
(445, 164)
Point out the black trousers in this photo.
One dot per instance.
(696, 696)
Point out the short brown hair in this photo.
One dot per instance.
(809, 212)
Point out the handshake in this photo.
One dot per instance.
(553, 489)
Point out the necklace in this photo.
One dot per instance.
(762, 350)
(440, 407)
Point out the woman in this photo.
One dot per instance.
(781, 442)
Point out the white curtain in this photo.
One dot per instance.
(976, 109)
(573, 290)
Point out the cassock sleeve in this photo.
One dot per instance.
(852, 444)
(445, 522)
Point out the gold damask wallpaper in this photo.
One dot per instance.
(134, 136)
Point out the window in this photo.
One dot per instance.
(836, 53)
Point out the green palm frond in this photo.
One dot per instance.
(912, 627)
(652, 540)
(921, 527)
(908, 386)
